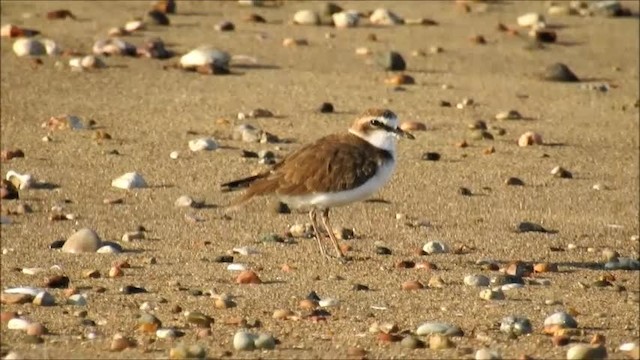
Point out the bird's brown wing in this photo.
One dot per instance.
(334, 163)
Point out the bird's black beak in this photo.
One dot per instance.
(401, 133)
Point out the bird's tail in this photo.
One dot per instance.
(256, 185)
(240, 183)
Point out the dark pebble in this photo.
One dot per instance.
(249, 154)
(313, 296)
(360, 287)
(526, 226)
(560, 72)
(320, 312)
(223, 259)
(225, 26)
(272, 238)
(33, 339)
(546, 36)
(444, 103)
(56, 244)
(391, 60)
(431, 156)
(87, 322)
(57, 282)
(195, 292)
(507, 279)
(464, 191)
(130, 289)
(514, 181)
(381, 250)
(331, 8)
(158, 17)
(326, 107)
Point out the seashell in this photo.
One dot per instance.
(236, 267)
(203, 144)
(60, 14)
(154, 48)
(117, 31)
(363, 51)
(92, 62)
(205, 55)
(51, 47)
(166, 333)
(165, 6)
(114, 46)
(18, 324)
(328, 302)
(530, 19)
(28, 47)
(130, 180)
(346, 19)
(413, 126)
(383, 16)
(248, 277)
(44, 299)
(306, 17)
(530, 138)
(134, 25)
(20, 181)
(287, 42)
(63, 122)
(23, 290)
(400, 79)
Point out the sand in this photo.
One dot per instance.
(151, 111)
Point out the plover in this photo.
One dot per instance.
(333, 171)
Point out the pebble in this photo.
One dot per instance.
(20, 181)
(326, 107)
(476, 280)
(514, 181)
(306, 17)
(23, 290)
(383, 250)
(431, 156)
(264, 341)
(383, 16)
(57, 281)
(492, 294)
(583, 352)
(559, 72)
(561, 319)
(44, 299)
(435, 247)
(561, 172)
(328, 302)
(114, 46)
(440, 342)
(487, 354)
(224, 26)
(508, 115)
(131, 180)
(515, 325)
(130, 289)
(248, 277)
(5, 316)
(109, 248)
(529, 138)
(412, 285)
(391, 61)
(133, 235)
(120, 343)
(243, 341)
(527, 226)
(430, 328)
(290, 42)
(345, 19)
(29, 47)
(77, 300)
(202, 144)
(16, 298)
(411, 342)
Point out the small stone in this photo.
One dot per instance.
(530, 138)
(17, 324)
(559, 72)
(583, 352)
(109, 248)
(36, 329)
(385, 17)
(203, 144)
(345, 19)
(440, 342)
(492, 294)
(248, 277)
(431, 156)
(487, 354)
(306, 17)
(224, 26)
(476, 280)
(44, 299)
(130, 180)
(561, 172)
(120, 343)
(199, 319)
(282, 314)
(243, 341)
(545, 267)
(430, 328)
(158, 17)
(514, 181)
(130, 289)
(391, 61)
(57, 281)
(6, 298)
(84, 240)
(526, 226)
(508, 115)
(326, 107)
(435, 247)
(411, 342)
(383, 250)
(264, 341)
(412, 285)
(514, 325)
(562, 319)
(623, 263)
(5, 316)
(530, 19)
(77, 300)
(400, 79)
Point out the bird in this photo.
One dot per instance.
(335, 170)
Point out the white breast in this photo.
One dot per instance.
(329, 200)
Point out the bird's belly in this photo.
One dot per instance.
(334, 199)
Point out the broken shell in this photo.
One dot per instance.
(248, 277)
(87, 62)
(306, 17)
(63, 122)
(346, 19)
(203, 144)
(114, 46)
(400, 79)
(294, 42)
(508, 115)
(29, 47)
(20, 181)
(363, 51)
(205, 56)
(134, 25)
(383, 16)
(530, 138)
(530, 19)
(13, 31)
(51, 47)
(129, 181)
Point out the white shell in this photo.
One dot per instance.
(328, 302)
(51, 47)
(306, 17)
(130, 180)
(135, 25)
(174, 155)
(32, 271)
(26, 180)
(245, 250)
(346, 19)
(44, 299)
(529, 138)
(23, 290)
(28, 47)
(203, 144)
(383, 16)
(77, 300)
(166, 333)
(17, 324)
(530, 19)
(236, 267)
(205, 55)
(92, 62)
(108, 249)
(628, 346)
